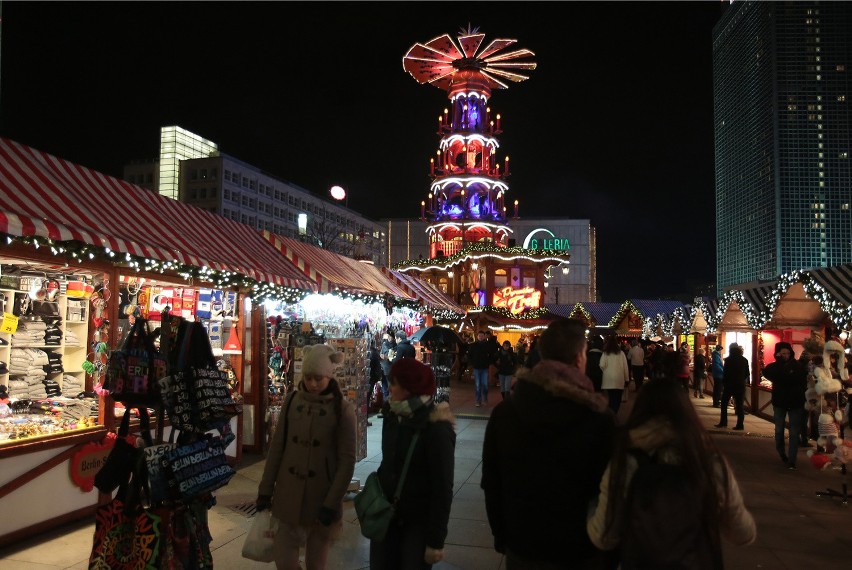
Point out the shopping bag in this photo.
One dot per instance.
(124, 455)
(373, 508)
(196, 396)
(185, 537)
(133, 370)
(126, 538)
(127, 535)
(158, 480)
(199, 467)
(260, 540)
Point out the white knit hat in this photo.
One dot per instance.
(320, 360)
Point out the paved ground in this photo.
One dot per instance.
(796, 528)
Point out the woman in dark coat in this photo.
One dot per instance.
(416, 535)
(734, 384)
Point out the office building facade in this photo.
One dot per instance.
(196, 173)
(782, 138)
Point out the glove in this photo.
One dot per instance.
(433, 555)
(326, 516)
(263, 502)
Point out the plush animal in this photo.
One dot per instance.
(828, 378)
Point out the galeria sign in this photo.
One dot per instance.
(548, 242)
(517, 300)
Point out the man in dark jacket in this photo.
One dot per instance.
(789, 382)
(593, 362)
(733, 385)
(480, 356)
(536, 493)
(404, 348)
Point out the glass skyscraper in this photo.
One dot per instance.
(782, 137)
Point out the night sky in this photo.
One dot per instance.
(615, 125)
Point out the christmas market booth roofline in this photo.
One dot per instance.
(477, 275)
(81, 213)
(334, 273)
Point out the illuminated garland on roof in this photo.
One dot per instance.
(74, 251)
(503, 312)
(582, 309)
(476, 251)
(626, 306)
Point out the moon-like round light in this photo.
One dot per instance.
(338, 193)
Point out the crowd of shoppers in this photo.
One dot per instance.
(565, 388)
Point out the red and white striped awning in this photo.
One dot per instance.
(424, 291)
(331, 271)
(45, 196)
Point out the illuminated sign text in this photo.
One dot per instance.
(546, 243)
(517, 300)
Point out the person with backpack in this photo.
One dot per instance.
(668, 494)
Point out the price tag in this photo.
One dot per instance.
(9, 324)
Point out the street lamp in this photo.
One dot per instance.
(339, 194)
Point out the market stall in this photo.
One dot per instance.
(86, 235)
(801, 306)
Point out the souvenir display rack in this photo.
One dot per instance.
(43, 348)
(285, 341)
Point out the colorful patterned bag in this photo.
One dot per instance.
(133, 370)
(127, 536)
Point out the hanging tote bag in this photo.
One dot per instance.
(123, 456)
(372, 506)
(196, 468)
(133, 370)
(127, 536)
(196, 396)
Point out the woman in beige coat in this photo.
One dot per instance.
(616, 373)
(664, 425)
(310, 463)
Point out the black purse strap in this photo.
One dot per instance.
(284, 417)
(405, 466)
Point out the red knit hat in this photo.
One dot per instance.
(414, 376)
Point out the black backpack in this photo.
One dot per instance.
(664, 522)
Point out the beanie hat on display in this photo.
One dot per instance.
(833, 347)
(414, 376)
(320, 360)
(779, 346)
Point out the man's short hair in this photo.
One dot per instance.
(400, 334)
(563, 340)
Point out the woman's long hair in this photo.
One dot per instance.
(611, 345)
(666, 398)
